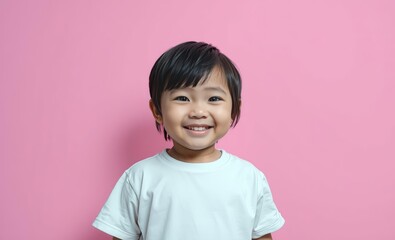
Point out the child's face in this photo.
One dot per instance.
(197, 117)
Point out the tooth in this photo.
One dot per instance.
(198, 128)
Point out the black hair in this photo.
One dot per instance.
(186, 65)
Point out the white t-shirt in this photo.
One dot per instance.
(161, 198)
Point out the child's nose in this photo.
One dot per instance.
(198, 111)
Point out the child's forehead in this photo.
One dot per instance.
(217, 73)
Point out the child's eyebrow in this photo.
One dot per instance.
(216, 89)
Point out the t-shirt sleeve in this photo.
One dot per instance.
(267, 219)
(118, 217)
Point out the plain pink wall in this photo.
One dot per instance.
(318, 107)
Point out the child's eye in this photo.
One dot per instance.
(215, 99)
(182, 99)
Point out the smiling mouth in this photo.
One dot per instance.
(198, 128)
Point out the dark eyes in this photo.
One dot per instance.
(182, 99)
(215, 99)
(185, 99)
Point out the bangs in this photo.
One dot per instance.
(189, 70)
(189, 79)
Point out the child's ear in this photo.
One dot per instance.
(155, 112)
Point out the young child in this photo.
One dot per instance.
(193, 190)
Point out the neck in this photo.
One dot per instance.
(209, 154)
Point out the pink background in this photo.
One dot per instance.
(318, 107)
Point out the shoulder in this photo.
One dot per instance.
(246, 168)
(243, 164)
(148, 162)
(148, 166)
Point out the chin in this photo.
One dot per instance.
(200, 148)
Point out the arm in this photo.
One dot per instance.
(265, 237)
